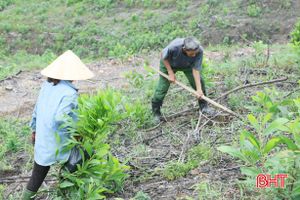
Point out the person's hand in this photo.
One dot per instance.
(33, 137)
(172, 77)
(199, 94)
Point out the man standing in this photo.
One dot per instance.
(182, 54)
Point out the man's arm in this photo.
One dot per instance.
(197, 79)
(171, 74)
(196, 73)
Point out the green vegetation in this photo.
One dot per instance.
(98, 116)
(141, 196)
(5, 3)
(296, 35)
(208, 191)
(286, 4)
(87, 28)
(14, 138)
(273, 147)
(101, 173)
(96, 29)
(22, 61)
(115, 126)
(118, 113)
(254, 10)
(113, 120)
(196, 155)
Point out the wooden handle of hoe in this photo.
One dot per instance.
(196, 94)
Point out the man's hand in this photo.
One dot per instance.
(33, 137)
(172, 77)
(199, 94)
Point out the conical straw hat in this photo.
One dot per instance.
(67, 67)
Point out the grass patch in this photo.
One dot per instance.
(85, 26)
(22, 61)
(196, 155)
(14, 135)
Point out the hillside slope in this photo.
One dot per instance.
(116, 28)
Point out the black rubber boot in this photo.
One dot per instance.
(205, 109)
(202, 104)
(156, 111)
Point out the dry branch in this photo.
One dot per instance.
(230, 168)
(290, 93)
(20, 179)
(146, 141)
(206, 122)
(196, 130)
(250, 85)
(12, 76)
(184, 148)
(180, 113)
(199, 121)
(229, 92)
(153, 128)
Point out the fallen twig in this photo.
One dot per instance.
(15, 177)
(184, 148)
(20, 180)
(206, 122)
(215, 140)
(290, 93)
(152, 157)
(95, 81)
(12, 76)
(171, 126)
(182, 125)
(196, 130)
(152, 138)
(199, 121)
(231, 168)
(224, 95)
(209, 119)
(153, 128)
(181, 112)
(292, 82)
(250, 85)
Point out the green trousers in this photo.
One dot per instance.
(164, 84)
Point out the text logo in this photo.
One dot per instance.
(266, 181)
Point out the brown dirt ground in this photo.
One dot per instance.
(18, 93)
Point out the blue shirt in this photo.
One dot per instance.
(52, 106)
(178, 59)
